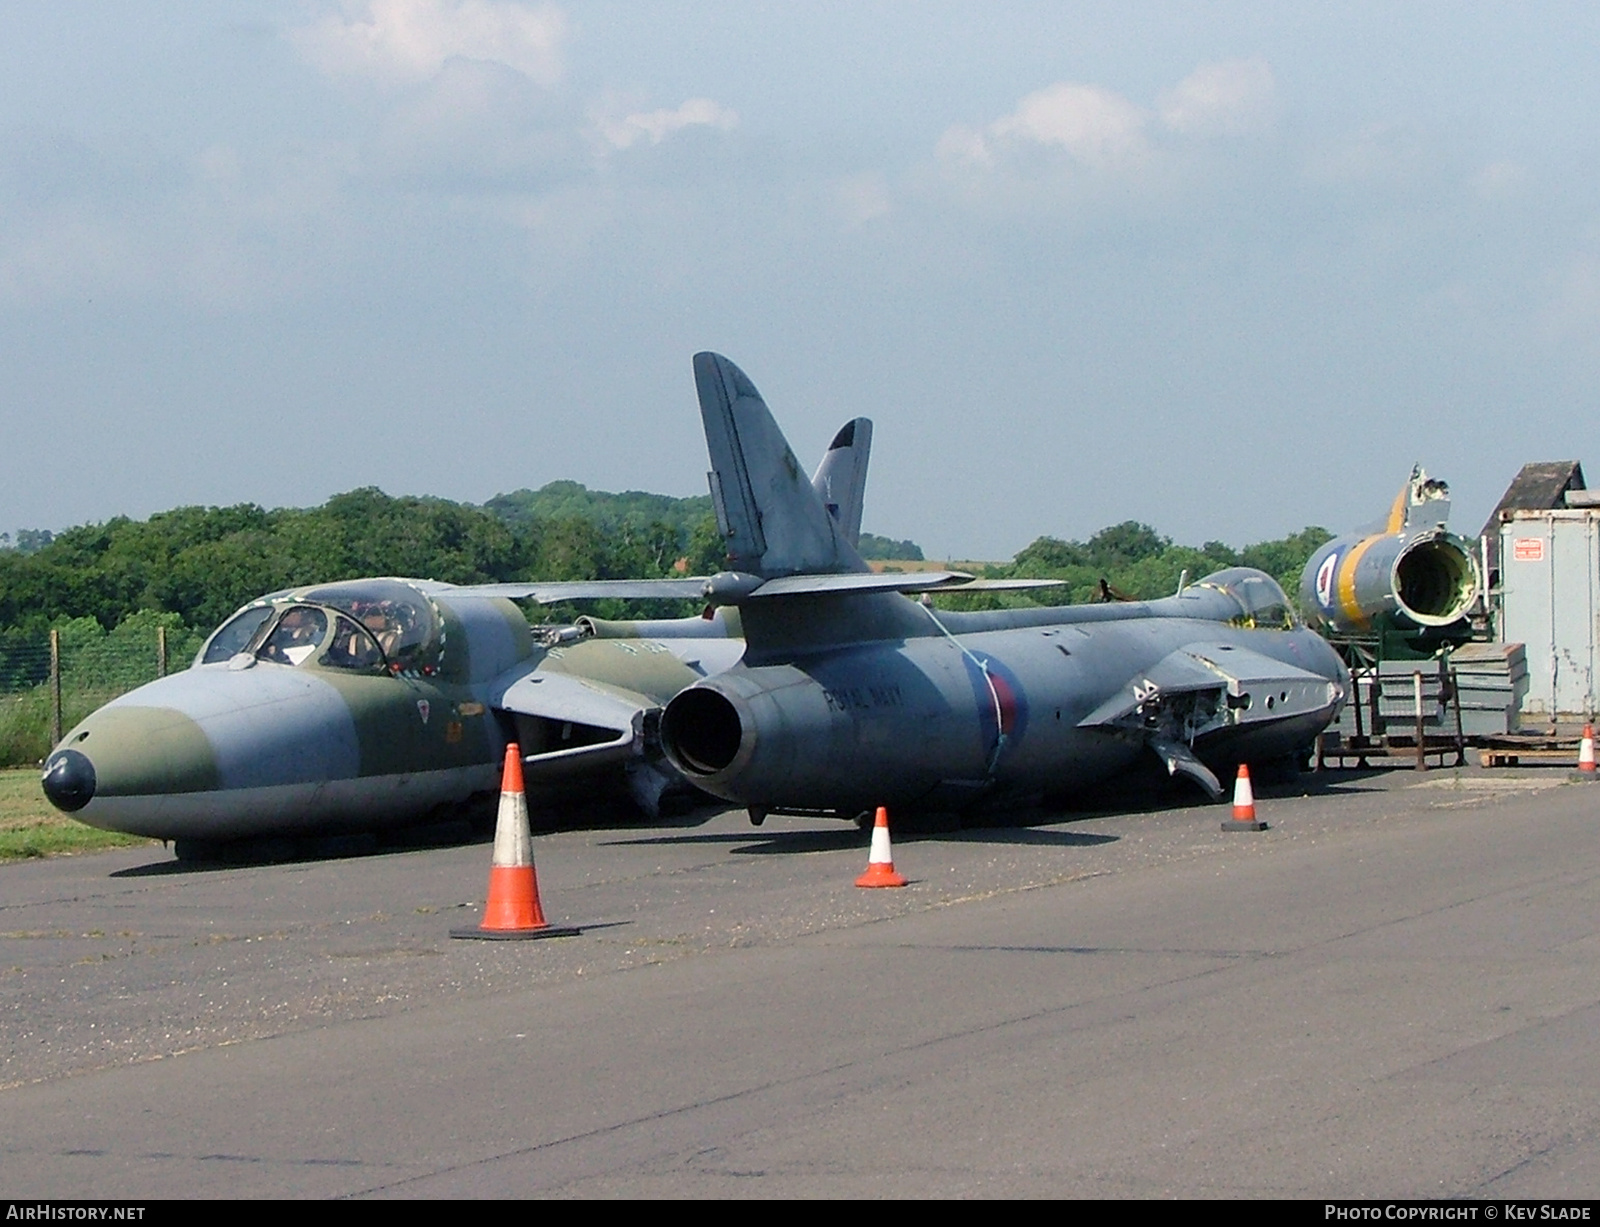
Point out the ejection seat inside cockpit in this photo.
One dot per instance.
(372, 626)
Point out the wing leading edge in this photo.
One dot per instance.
(734, 587)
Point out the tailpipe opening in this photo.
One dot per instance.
(1436, 582)
(701, 732)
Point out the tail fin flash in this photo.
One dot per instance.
(841, 479)
(768, 513)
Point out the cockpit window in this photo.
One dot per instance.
(369, 625)
(298, 634)
(352, 648)
(234, 635)
(399, 619)
(1262, 603)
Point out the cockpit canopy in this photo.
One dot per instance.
(1262, 603)
(367, 625)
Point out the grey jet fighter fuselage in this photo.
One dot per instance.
(849, 697)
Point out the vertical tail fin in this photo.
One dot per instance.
(772, 519)
(841, 479)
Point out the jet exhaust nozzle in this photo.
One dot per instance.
(702, 733)
(1425, 580)
(749, 734)
(1436, 581)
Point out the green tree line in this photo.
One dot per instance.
(201, 563)
(1135, 561)
(198, 564)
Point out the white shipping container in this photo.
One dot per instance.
(1550, 602)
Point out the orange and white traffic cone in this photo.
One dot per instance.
(880, 862)
(1244, 805)
(513, 910)
(1586, 751)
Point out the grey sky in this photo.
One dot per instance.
(1228, 269)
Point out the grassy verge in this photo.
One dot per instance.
(25, 720)
(29, 826)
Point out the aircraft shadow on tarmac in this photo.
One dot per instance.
(763, 841)
(1134, 792)
(1153, 793)
(1144, 791)
(250, 853)
(782, 843)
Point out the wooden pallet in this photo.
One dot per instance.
(1511, 756)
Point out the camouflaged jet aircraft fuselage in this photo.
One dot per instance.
(364, 704)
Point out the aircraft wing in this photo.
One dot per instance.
(891, 581)
(1254, 688)
(573, 719)
(1205, 687)
(1007, 585)
(551, 592)
(731, 587)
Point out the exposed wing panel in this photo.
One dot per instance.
(1247, 688)
(1177, 673)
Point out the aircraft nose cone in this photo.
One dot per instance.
(69, 780)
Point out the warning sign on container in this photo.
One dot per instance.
(1527, 549)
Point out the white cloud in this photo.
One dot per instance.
(1093, 125)
(963, 144)
(1101, 130)
(656, 126)
(71, 254)
(401, 42)
(1223, 99)
(229, 230)
(475, 125)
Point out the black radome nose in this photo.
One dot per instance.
(69, 781)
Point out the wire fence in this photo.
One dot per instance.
(49, 683)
